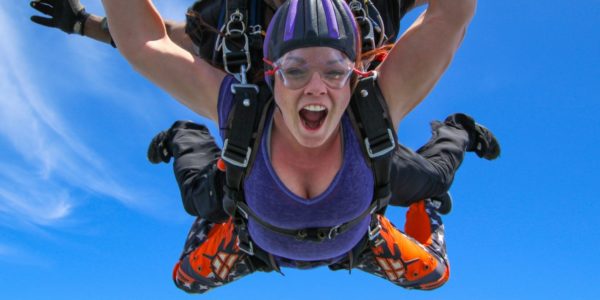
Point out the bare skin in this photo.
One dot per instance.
(307, 162)
(175, 30)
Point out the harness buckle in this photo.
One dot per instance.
(333, 232)
(235, 28)
(236, 86)
(375, 235)
(379, 142)
(231, 154)
(248, 247)
(255, 29)
(240, 57)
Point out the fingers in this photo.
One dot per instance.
(42, 6)
(50, 22)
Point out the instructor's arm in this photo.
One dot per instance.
(70, 16)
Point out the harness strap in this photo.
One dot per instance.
(246, 119)
(313, 234)
(370, 116)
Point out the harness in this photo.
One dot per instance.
(240, 33)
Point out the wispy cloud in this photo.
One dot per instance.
(43, 161)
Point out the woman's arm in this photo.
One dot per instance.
(422, 54)
(139, 32)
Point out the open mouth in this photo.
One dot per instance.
(312, 116)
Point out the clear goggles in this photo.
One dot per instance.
(296, 71)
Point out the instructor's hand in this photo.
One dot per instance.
(66, 15)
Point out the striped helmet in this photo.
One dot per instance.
(311, 23)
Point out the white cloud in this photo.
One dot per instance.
(43, 161)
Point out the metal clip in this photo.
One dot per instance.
(391, 140)
(256, 29)
(333, 232)
(232, 160)
(375, 235)
(247, 248)
(246, 52)
(236, 17)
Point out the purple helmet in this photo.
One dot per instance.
(311, 23)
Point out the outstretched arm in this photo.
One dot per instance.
(422, 54)
(140, 34)
(70, 16)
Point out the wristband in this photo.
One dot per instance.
(104, 27)
(79, 25)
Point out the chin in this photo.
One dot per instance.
(313, 139)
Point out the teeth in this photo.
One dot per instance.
(314, 107)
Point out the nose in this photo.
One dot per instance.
(316, 85)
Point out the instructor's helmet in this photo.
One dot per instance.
(310, 23)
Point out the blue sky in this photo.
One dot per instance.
(84, 215)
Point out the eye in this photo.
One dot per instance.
(335, 74)
(294, 72)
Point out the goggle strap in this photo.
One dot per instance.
(272, 71)
(361, 73)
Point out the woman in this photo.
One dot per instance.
(308, 158)
(204, 19)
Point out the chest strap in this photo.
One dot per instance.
(313, 234)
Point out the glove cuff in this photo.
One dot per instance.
(79, 25)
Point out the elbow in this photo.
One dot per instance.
(139, 54)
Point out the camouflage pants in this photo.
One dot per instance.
(414, 259)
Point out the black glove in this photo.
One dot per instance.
(66, 15)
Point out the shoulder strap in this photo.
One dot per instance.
(368, 112)
(246, 123)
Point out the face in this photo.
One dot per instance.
(312, 91)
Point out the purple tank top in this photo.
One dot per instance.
(349, 194)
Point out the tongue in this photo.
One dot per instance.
(312, 119)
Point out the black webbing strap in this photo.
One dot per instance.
(313, 234)
(246, 122)
(237, 147)
(371, 118)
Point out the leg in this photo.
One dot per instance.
(429, 172)
(210, 258)
(195, 153)
(415, 259)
